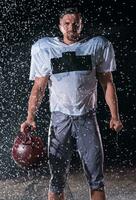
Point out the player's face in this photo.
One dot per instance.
(71, 26)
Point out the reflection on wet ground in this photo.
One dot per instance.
(120, 185)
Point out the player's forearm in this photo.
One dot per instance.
(34, 102)
(111, 100)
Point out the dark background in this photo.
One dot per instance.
(23, 23)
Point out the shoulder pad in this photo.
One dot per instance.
(42, 43)
(101, 40)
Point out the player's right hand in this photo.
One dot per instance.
(27, 126)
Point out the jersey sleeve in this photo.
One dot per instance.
(40, 62)
(107, 62)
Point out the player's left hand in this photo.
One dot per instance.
(116, 124)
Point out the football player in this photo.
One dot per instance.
(71, 66)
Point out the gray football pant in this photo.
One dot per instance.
(84, 129)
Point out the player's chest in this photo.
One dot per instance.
(71, 59)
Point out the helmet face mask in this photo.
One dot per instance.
(28, 151)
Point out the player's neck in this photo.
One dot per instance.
(67, 41)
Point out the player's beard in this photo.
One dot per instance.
(73, 36)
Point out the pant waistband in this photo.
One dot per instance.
(89, 113)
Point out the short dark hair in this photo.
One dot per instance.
(72, 10)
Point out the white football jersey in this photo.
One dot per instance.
(72, 71)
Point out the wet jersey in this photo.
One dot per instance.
(72, 71)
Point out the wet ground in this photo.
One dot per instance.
(120, 185)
